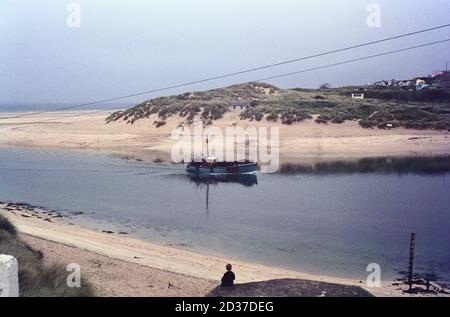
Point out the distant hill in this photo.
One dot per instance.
(382, 107)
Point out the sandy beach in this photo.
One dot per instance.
(305, 141)
(119, 265)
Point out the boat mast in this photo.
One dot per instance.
(207, 197)
(207, 146)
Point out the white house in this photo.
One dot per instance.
(357, 95)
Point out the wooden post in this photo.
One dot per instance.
(412, 243)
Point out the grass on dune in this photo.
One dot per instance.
(35, 278)
(382, 108)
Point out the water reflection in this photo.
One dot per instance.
(247, 180)
(383, 165)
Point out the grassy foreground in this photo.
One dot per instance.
(35, 278)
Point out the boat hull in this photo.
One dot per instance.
(202, 168)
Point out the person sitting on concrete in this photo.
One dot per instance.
(228, 278)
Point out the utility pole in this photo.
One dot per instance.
(412, 244)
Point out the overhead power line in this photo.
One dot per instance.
(295, 72)
(249, 70)
(353, 60)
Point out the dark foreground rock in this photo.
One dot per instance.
(289, 288)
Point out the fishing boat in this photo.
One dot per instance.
(211, 166)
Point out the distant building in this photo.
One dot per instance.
(390, 83)
(437, 80)
(436, 73)
(405, 83)
(421, 84)
(393, 83)
(240, 104)
(381, 83)
(357, 95)
(442, 80)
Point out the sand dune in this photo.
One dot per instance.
(142, 140)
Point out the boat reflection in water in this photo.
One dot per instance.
(242, 179)
(206, 180)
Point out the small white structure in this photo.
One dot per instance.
(358, 95)
(381, 83)
(405, 83)
(9, 276)
(421, 84)
(392, 82)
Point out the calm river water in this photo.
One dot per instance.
(330, 219)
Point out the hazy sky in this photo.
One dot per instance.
(124, 47)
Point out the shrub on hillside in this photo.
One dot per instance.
(7, 226)
(159, 123)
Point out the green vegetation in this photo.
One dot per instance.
(35, 278)
(7, 226)
(159, 123)
(411, 116)
(206, 105)
(382, 108)
(428, 95)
